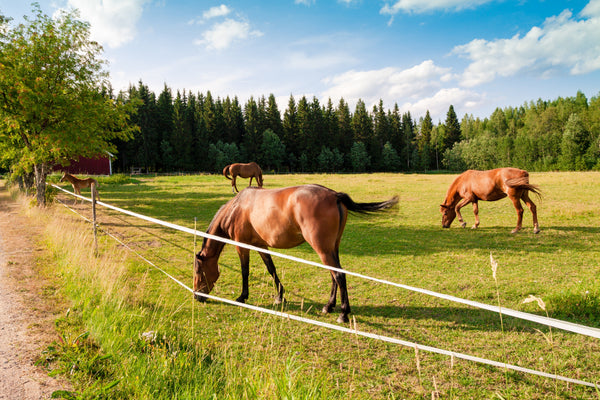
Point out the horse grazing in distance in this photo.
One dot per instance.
(250, 170)
(472, 186)
(281, 218)
(79, 184)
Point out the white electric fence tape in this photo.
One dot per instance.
(319, 323)
(555, 323)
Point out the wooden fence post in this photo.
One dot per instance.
(93, 187)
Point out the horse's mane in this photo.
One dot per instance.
(452, 190)
(222, 219)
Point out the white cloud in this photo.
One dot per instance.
(561, 43)
(215, 12)
(421, 6)
(223, 34)
(302, 61)
(305, 2)
(113, 22)
(464, 101)
(387, 83)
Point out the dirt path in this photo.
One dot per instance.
(26, 320)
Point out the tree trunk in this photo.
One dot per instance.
(41, 171)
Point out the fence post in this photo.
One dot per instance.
(93, 187)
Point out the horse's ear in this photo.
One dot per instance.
(444, 206)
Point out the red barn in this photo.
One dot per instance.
(99, 165)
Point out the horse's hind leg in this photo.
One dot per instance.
(250, 183)
(233, 185)
(338, 280)
(271, 268)
(476, 212)
(517, 203)
(532, 207)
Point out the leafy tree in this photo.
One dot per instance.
(389, 158)
(574, 144)
(359, 157)
(329, 160)
(55, 101)
(272, 151)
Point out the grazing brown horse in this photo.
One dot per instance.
(472, 186)
(282, 219)
(79, 184)
(250, 170)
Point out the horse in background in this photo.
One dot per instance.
(281, 219)
(250, 170)
(79, 184)
(472, 186)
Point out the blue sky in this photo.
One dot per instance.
(421, 54)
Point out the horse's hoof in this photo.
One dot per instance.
(536, 231)
(278, 300)
(463, 224)
(326, 309)
(474, 227)
(343, 318)
(514, 230)
(199, 298)
(241, 299)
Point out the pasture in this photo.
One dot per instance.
(214, 350)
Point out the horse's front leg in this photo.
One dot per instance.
(244, 255)
(460, 205)
(250, 183)
(476, 212)
(271, 268)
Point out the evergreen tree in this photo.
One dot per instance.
(274, 122)
(164, 128)
(290, 133)
(234, 121)
(409, 138)
(426, 155)
(362, 125)
(452, 129)
(345, 131)
(253, 136)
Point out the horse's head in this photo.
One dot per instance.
(64, 177)
(448, 215)
(206, 273)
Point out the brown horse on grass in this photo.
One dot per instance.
(282, 219)
(79, 184)
(472, 186)
(250, 170)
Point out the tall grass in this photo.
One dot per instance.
(162, 344)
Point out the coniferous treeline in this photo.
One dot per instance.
(196, 132)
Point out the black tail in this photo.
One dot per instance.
(523, 183)
(364, 208)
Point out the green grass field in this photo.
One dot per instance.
(214, 350)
